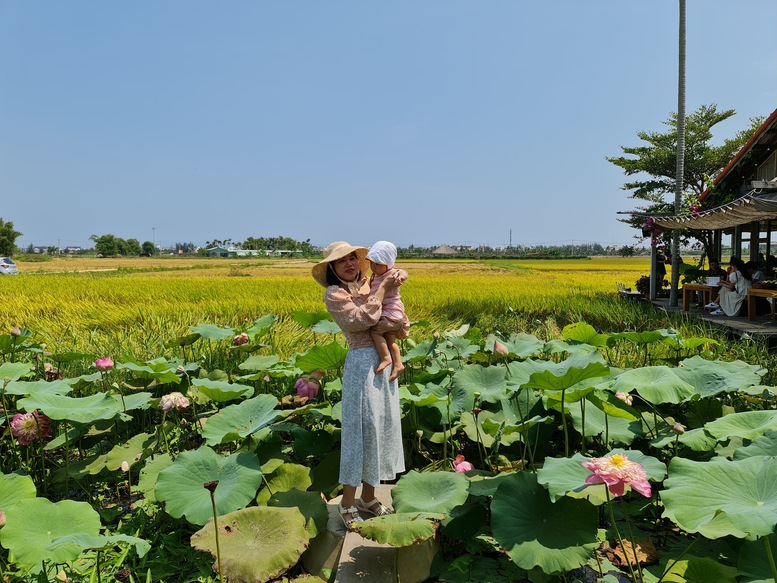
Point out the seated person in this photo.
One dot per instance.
(715, 270)
(732, 292)
(756, 275)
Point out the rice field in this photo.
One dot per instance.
(133, 306)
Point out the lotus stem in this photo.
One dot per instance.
(211, 487)
(618, 534)
(672, 564)
(770, 557)
(633, 542)
(564, 424)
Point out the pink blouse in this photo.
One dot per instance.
(355, 316)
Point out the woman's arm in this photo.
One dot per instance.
(350, 316)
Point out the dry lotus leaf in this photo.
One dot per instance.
(646, 553)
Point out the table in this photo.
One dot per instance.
(690, 289)
(759, 292)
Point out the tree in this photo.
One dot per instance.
(148, 248)
(133, 247)
(658, 160)
(105, 245)
(8, 237)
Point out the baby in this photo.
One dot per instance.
(382, 256)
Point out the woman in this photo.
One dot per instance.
(733, 291)
(371, 437)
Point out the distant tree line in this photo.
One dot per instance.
(523, 251)
(112, 246)
(265, 244)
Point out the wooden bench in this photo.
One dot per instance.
(753, 294)
(691, 289)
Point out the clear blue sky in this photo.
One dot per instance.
(421, 122)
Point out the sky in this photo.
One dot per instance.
(422, 122)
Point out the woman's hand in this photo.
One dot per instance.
(401, 276)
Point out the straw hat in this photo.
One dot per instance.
(335, 251)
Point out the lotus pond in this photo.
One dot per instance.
(633, 456)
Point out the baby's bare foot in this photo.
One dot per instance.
(396, 371)
(382, 366)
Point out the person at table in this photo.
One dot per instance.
(715, 270)
(733, 291)
(756, 275)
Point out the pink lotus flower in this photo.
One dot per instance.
(27, 427)
(678, 428)
(125, 466)
(500, 348)
(307, 387)
(2, 519)
(240, 339)
(174, 400)
(461, 466)
(617, 472)
(15, 331)
(625, 397)
(103, 364)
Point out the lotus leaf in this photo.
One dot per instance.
(40, 387)
(748, 425)
(180, 486)
(489, 381)
(520, 345)
(212, 331)
(312, 443)
(257, 543)
(582, 332)
(563, 375)
(158, 369)
(325, 327)
(181, 341)
(261, 326)
(15, 370)
(75, 409)
(655, 384)
(308, 319)
(437, 492)
(326, 474)
(700, 570)
(322, 357)
(310, 504)
(572, 347)
(618, 429)
(77, 543)
(753, 563)
(150, 474)
(695, 439)
(286, 477)
(420, 351)
(721, 497)
(130, 452)
(34, 523)
(466, 521)
(15, 487)
(239, 421)
(131, 402)
(763, 445)
(710, 377)
(260, 362)
(491, 424)
(642, 338)
(485, 485)
(536, 532)
(220, 391)
(400, 530)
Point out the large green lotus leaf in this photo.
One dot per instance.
(519, 372)
(158, 369)
(212, 331)
(438, 492)
(695, 439)
(33, 524)
(40, 387)
(747, 425)
(753, 564)
(611, 405)
(491, 424)
(220, 391)
(308, 319)
(77, 543)
(312, 443)
(456, 349)
(15, 487)
(640, 337)
(655, 384)
(566, 476)
(618, 429)
(582, 332)
(138, 446)
(488, 381)
(150, 474)
(259, 362)
(520, 345)
(710, 377)
(180, 486)
(75, 409)
(257, 544)
(239, 421)
(323, 357)
(262, 326)
(474, 427)
(15, 370)
(700, 570)
(401, 529)
(325, 327)
(740, 495)
(536, 532)
(421, 400)
(484, 485)
(567, 373)
(763, 445)
(310, 504)
(286, 477)
(326, 474)
(134, 401)
(181, 341)
(562, 346)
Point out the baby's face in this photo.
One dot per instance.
(378, 268)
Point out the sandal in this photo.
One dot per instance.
(367, 507)
(349, 515)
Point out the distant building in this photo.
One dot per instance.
(445, 250)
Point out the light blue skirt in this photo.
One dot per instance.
(371, 444)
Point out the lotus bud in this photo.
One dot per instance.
(125, 466)
(419, 434)
(174, 400)
(62, 576)
(104, 364)
(461, 466)
(2, 519)
(678, 429)
(15, 331)
(500, 348)
(266, 378)
(436, 335)
(240, 339)
(625, 397)
(477, 396)
(211, 486)
(317, 375)
(180, 370)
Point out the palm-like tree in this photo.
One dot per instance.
(678, 189)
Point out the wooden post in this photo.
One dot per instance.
(653, 272)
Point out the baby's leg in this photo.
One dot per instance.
(383, 351)
(396, 356)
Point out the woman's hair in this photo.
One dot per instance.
(740, 265)
(331, 276)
